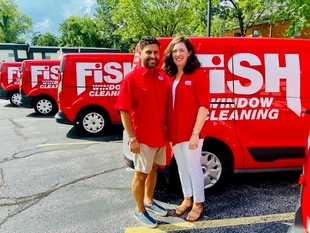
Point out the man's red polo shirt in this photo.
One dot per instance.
(145, 95)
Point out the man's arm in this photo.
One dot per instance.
(127, 123)
(126, 120)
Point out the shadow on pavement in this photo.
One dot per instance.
(115, 133)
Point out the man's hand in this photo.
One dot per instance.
(134, 147)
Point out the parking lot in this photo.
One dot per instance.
(54, 180)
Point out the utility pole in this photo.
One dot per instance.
(209, 19)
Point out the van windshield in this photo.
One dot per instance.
(62, 65)
(22, 68)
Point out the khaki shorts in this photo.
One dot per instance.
(148, 156)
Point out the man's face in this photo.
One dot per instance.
(150, 56)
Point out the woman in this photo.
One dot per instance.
(187, 112)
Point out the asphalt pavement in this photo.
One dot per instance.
(53, 180)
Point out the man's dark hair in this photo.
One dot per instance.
(148, 40)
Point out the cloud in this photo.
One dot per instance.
(47, 15)
(78, 7)
(44, 25)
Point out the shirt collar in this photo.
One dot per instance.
(144, 70)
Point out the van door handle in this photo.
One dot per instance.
(308, 111)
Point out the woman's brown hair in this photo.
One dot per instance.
(192, 62)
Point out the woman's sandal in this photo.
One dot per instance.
(194, 214)
(182, 209)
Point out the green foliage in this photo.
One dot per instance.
(298, 11)
(138, 18)
(14, 25)
(106, 26)
(80, 32)
(46, 39)
(243, 13)
(121, 23)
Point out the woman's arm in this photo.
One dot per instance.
(200, 120)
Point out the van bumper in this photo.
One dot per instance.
(4, 94)
(297, 226)
(62, 119)
(25, 101)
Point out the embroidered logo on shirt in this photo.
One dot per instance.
(188, 82)
(161, 78)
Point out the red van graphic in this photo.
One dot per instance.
(9, 81)
(259, 99)
(88, 88)
(38, 86)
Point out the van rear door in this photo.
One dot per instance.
(269, 116)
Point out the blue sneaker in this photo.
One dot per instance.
(145, 219)
(156, 209)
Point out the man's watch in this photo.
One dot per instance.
(132, 139)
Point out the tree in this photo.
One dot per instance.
(14, 25)
(106, 26)
(137, 18)
(35, 37)
(46, 39)
(79, 31)
(244, 13)
(298, 11)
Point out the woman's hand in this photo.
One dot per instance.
(193, 142)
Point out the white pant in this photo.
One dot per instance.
(190, 171)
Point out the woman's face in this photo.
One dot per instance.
(180, 54)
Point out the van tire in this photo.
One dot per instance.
(45, 105)
(14, 98)
(93, 122)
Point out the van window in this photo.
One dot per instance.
(256, 33)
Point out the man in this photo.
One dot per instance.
(142, 103)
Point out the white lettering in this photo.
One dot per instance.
(43, 72)
(291, 73)
(254, 77)
(103, 93)
(13, 74)
(87, 69)
(251, 75)
(244, 114)
(115, 73)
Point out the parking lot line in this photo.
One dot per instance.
(213, 223)
(67, 143)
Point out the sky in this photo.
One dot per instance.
(48, 14)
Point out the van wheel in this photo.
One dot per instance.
(216, 167)
(45, 106)
(93, 122)
(14, 98)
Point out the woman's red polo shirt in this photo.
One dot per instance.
(145, 95)
(191, 93)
